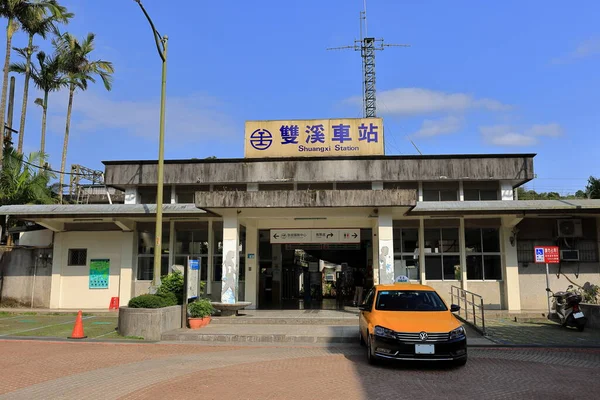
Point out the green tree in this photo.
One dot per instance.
(16, 12)
(38, 25)
(47, 77)
(75, 61)
(593, 188)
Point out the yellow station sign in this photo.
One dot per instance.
(314, 138)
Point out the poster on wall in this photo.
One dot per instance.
(193, 278)
(99, 273)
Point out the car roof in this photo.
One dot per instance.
(405, 286)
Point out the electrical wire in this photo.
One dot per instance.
(45, 168)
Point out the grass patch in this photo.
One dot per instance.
(6, 314)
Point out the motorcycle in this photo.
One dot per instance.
(566, 310)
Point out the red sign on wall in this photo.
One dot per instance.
(547, 255)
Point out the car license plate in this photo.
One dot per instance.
(578, 315)
(424, 349)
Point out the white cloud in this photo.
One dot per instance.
(416, 101)
(505, 135)
(189, 119)
(587, 48)
(442, 126)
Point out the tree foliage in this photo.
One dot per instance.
(591, 191)
(22, 183)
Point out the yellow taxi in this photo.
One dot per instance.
(406, 321)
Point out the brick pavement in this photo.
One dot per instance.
(504, 330)
(41, 370)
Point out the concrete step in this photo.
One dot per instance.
(255, 333)
(531, 319)
(240, 320)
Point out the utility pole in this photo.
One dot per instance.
(367, 47)
(161, 46)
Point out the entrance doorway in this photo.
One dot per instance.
(314, 275)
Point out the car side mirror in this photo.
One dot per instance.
(364, 307)
(454, 308)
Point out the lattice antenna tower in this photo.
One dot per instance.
(80, 173)
(367, 47)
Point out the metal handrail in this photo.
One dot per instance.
(473, 304)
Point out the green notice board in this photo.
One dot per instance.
(99, 273)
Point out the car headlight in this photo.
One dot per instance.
(457, 333)
(385, 332)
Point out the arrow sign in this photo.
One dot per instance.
(354, 235)
(276, 236)
(330, 235)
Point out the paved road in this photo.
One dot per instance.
(45, 370)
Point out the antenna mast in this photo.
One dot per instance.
(367, 47)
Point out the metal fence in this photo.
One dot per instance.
(471, 307)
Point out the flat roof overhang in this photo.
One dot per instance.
(55, 211)
(503, 207)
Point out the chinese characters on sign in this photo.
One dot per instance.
(547, 255)
(315, 235)
(314, 138)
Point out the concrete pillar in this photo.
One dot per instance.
(128, 250)
(375, 252)
(420, 192)
(385, 233)
(422, 251)
(463, 254)
(171, 245)
(211, 258)
(510, 268)
(231, 256)
(461, 191)
(252, 269)
(59, 256)
(132, 196)
(377, 185)
(506, 191)
(173, 195)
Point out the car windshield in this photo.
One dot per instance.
(409, 300)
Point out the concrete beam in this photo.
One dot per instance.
(307, 199)
(124, 224)
(511, 221)
(511, 168)
(54, 226)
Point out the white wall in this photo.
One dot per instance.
(492, 293)
(533, 281)
(70, 284)
(41, 238)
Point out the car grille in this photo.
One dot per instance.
(415, 337)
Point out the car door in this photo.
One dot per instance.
(363, 320)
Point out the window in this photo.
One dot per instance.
(442, 254)
(406, 253)
(440, 191)
(191, 240)
(77, 257)
(480, 194)
(405, 300)
(483, 254)
(145, 263)
(369, 299)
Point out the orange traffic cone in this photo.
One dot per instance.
(78, 328)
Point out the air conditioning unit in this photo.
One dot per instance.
(569, 228)
(569, 255)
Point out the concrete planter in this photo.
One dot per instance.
(149, 323)
(592, 312)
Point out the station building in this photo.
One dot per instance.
(310, 214)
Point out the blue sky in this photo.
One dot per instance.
(479, 77)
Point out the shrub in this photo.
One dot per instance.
(200, 309)
(172, 283)
(170, 298)
(149, 301)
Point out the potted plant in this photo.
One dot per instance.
(199, 313)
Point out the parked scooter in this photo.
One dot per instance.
(566, 310)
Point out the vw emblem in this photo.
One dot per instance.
(423, 336)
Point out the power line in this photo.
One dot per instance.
(44, 167)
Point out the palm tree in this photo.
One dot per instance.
(41, 26)
(16, 12)
(78, 69)
(47, 76)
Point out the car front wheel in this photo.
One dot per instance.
(371, 357)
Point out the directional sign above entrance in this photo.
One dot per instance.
(315, 235)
